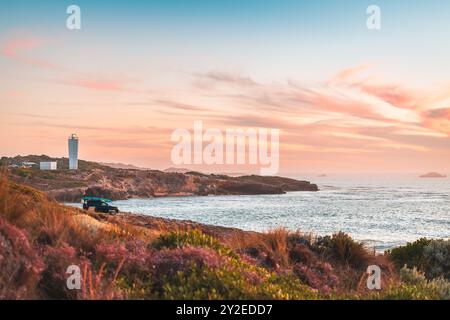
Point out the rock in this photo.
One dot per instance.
(433, 175)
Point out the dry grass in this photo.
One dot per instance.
(344, 249)
(274, 244)
(96, 286)
(50, 224)
(46, 221)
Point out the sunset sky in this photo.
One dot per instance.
(345, 98)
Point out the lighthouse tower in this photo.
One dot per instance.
(73, 152)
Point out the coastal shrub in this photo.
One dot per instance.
(212, 271)
(134, 255)
(132, 260)
(179, 239)
(415, 286)
(193, 238)
(232, 283)
(318, 275)
(341, 248)
(410, 255)
(437, 259)
(53, 279)
(298, 238)
(432, 257)
(192, 265)
(412, 276)
(301, 253)
(20, 267)
(168, 262)
(98, 281)
(408, 292)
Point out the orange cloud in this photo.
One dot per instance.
(344, 105)
(392, 94)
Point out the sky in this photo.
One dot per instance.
(345, 98)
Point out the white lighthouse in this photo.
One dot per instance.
(73, 152)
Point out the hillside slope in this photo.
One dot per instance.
(140, 257)
(94, 179)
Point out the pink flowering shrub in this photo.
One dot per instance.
(319, 276)
(252, 277)
(54, 277)
(168, 262)
(301, 253)
(134, 255)
(20, 267)
(249, 259)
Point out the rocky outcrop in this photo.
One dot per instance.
(433, 175)
(93, 179)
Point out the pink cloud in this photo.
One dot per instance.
(15, 49)
(117, 84)
(97, 84)
(392, 94)
(343, 105)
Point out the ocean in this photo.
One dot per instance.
(383, 211)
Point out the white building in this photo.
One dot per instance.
(48, 165)
(73, 152)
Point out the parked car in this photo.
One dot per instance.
(99, 205)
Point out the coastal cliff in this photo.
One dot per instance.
(94, 179)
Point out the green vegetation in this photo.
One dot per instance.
(415, 286)
(192, 238)
(341, 247)
(432, 257)
(39, 239)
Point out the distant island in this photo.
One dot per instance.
(433, 175)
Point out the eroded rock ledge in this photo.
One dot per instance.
(94, 179)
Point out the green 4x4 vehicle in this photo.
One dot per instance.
(99, 205)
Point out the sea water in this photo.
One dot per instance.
(383, 211)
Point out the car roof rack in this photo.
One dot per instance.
(95, 199)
